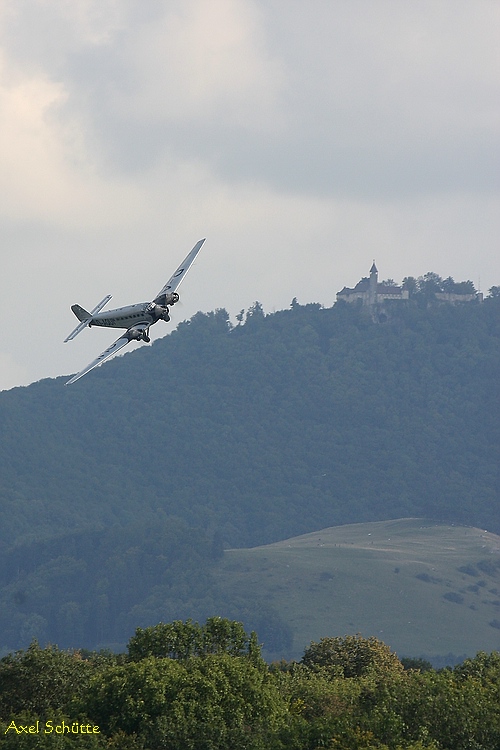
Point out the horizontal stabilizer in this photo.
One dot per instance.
(85, 317)
(101, 304)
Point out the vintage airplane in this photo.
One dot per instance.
(137, 319)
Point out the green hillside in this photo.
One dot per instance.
(421, 587)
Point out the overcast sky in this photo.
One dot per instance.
(302, 139)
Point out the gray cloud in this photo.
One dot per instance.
(377, 100)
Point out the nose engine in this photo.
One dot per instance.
(158, 311)
(164, 314)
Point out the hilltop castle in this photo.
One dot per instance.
(370, 292)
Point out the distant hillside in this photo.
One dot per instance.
(422, 587)
(220, 436)
(301, 419)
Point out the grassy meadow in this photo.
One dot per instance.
(422, 587)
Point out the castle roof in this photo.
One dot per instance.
(392, 289)
(366, 286)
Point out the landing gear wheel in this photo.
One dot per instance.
(146, 338)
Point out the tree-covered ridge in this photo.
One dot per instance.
(184, 685)
(232, 429)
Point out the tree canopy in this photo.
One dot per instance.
(223, 699)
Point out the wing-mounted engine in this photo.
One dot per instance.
(138, 333)
(172, 298)
(169, 298)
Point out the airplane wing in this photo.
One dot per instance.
(115, 347)
(184, 267)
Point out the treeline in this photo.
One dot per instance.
(205, 687)
(424, 288)
(92, 588)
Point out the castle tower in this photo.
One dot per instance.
(373, 285)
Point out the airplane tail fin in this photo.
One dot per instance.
(81, 313)
(85, 317)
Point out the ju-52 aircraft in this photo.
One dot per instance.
(136, 319)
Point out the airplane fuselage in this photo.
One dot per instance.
(129, 316)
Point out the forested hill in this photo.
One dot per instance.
(119, 493)
(289, 422)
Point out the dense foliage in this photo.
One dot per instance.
(424, 288)
(222, 435)
(346, 693)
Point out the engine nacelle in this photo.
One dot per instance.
(135, 334)
(171, 299)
